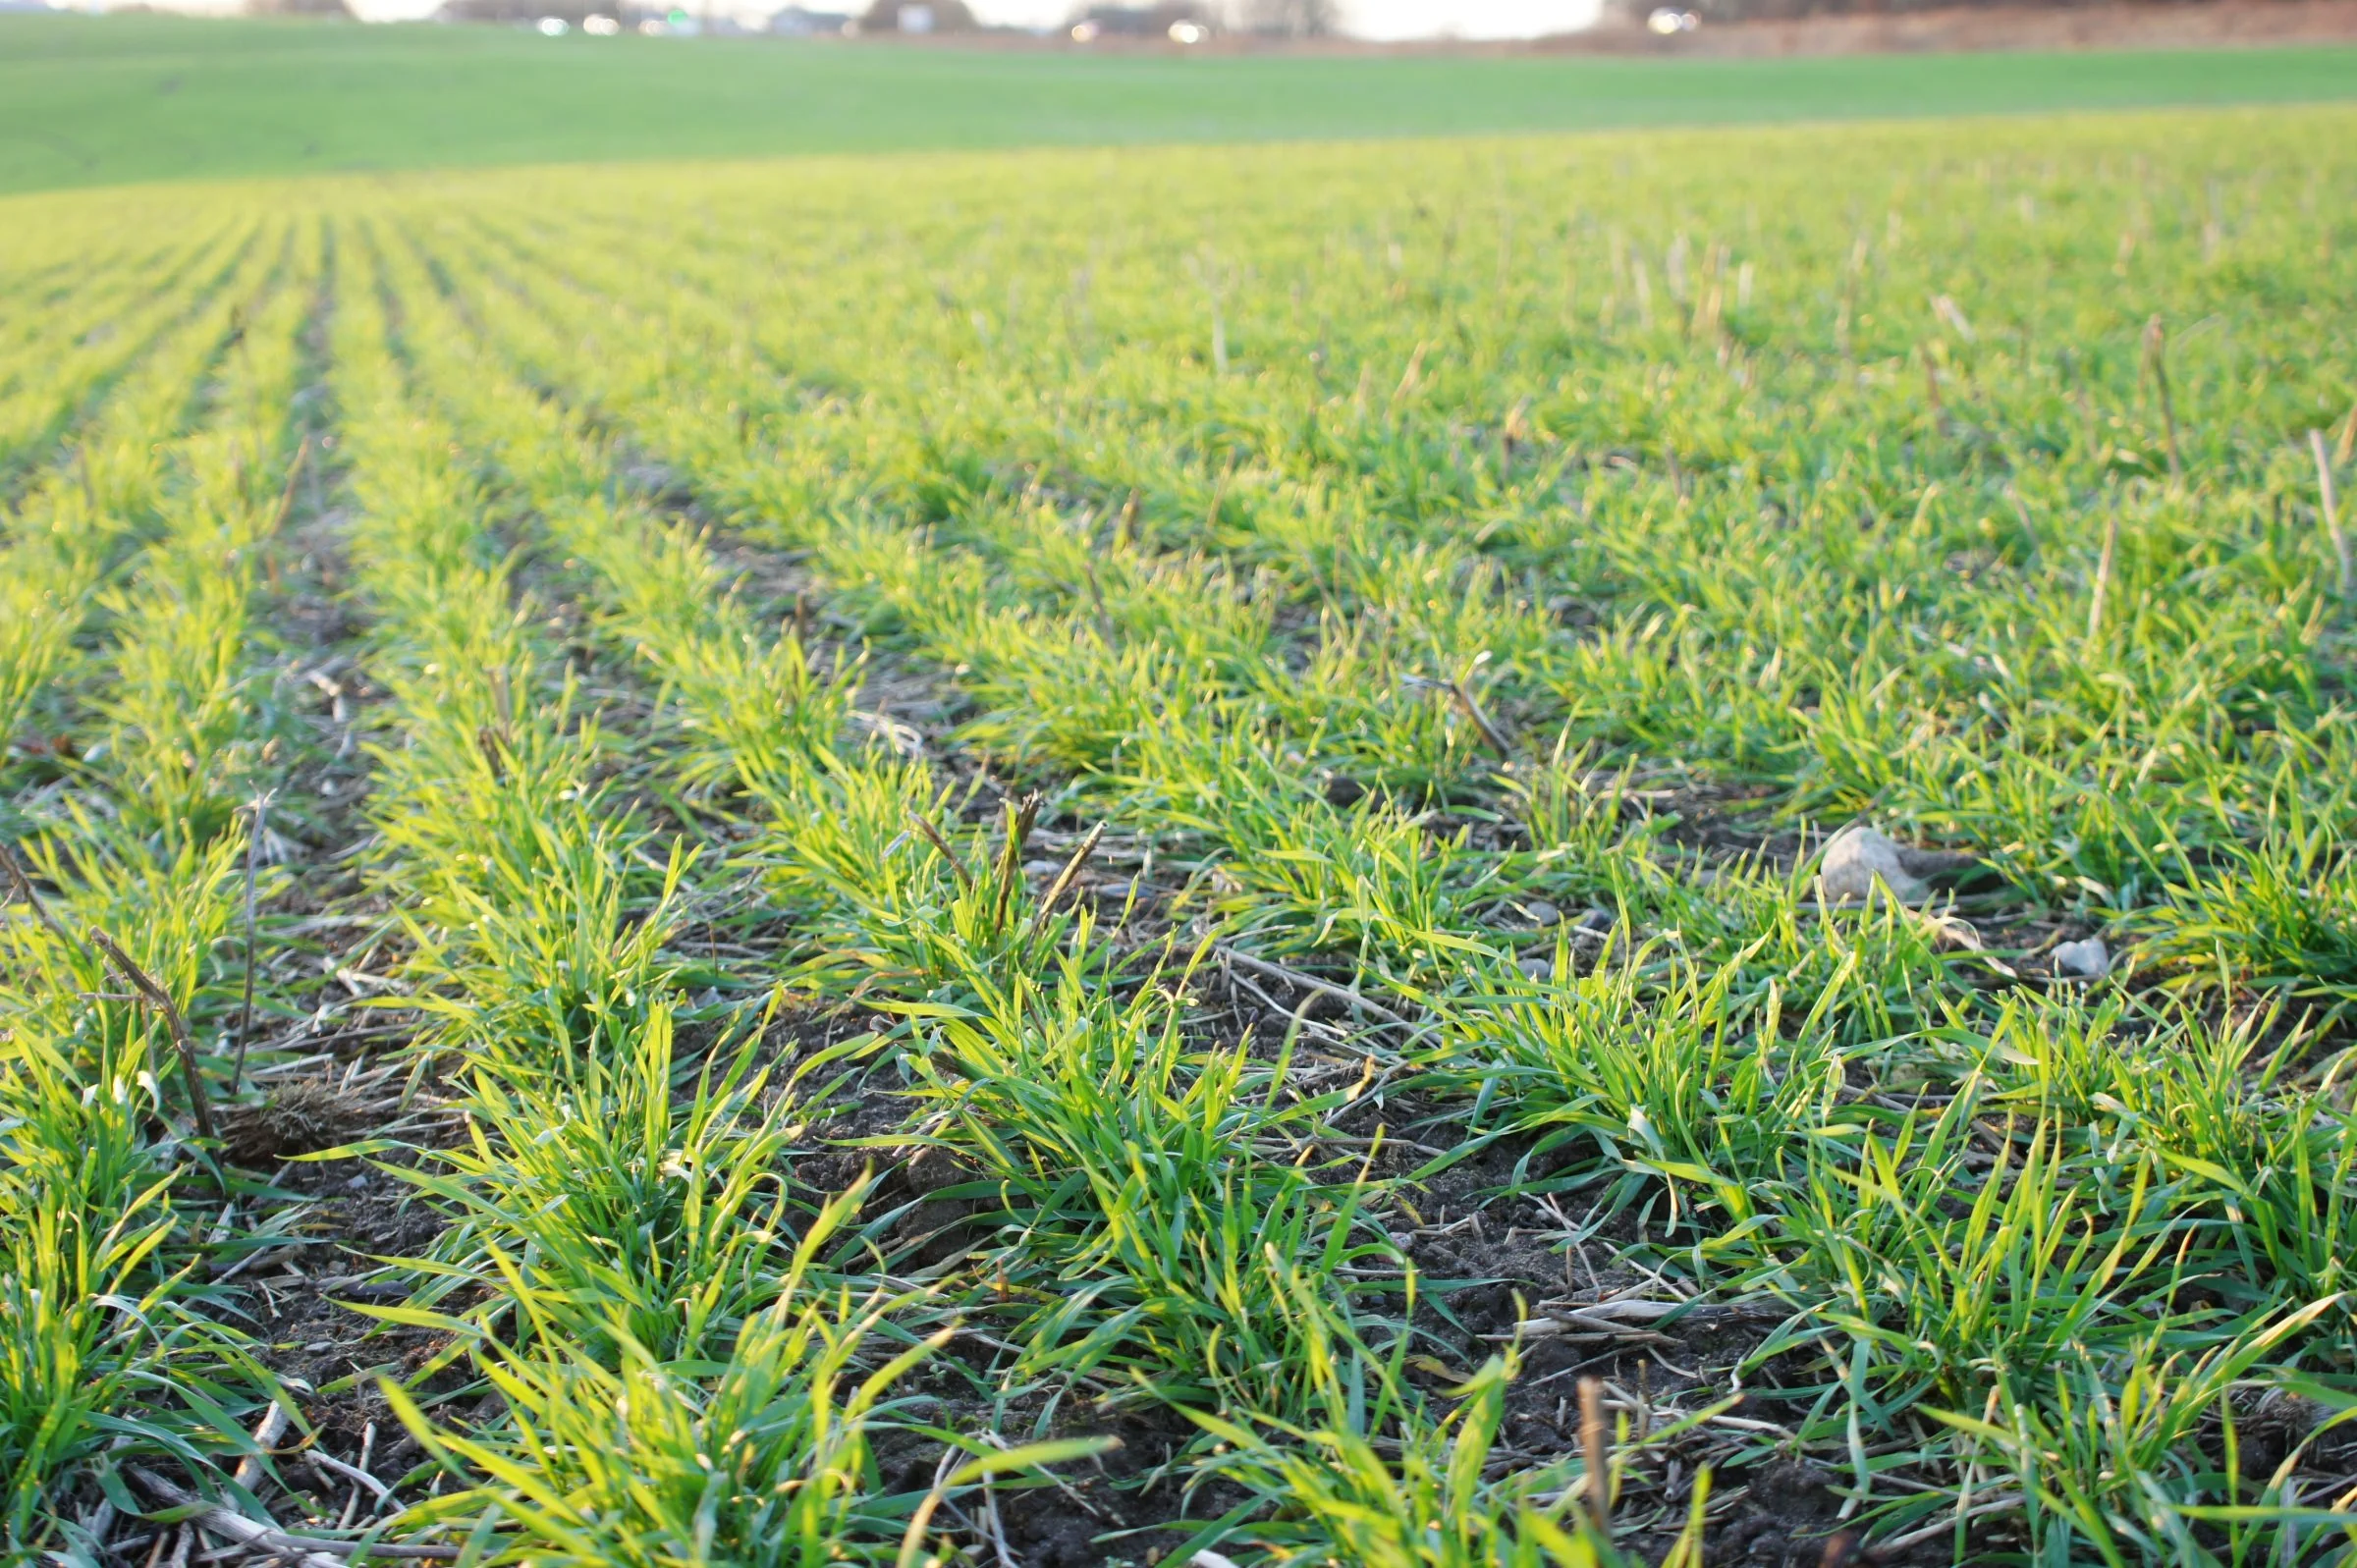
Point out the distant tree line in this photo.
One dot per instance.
(1154, 19)
(1280, 19)
(1785, 10)
(1290, 18)
(1287, 18)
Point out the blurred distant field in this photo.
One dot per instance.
(95, 101)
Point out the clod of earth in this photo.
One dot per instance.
(2085, 959)
(1859, 858)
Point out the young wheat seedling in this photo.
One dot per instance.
(2327, 507)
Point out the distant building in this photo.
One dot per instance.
(917, 17)
(520, 13)
(1292, 19)
(1141, 21)
(1691, 13)
(796, 23)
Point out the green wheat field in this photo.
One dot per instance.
(1551, 850)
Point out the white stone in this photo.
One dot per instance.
(2083, 961)
(1857, 858)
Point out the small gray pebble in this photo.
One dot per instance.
(2083, 961)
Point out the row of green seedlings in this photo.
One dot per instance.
(36, 290)
(667, 628)
(1853, 727)
(1649, 1091)
(81, 241)
(91, 507)
(1723, 654)
(123, 986)
(683, 1349)
(2269, 911)
(1162, 676)
(592, 541)
(113, 326)
(1091, 738)
(74, 338)
(1157, 289)
(1405, 744)
(1616, 1086)
(1166, 1244)
(720, 425)
(2284, 1222)
(2104, 831)
(802, 840)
